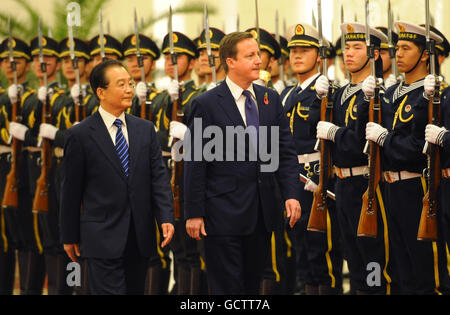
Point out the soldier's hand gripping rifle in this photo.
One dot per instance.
(319, 209)
(177, 115)
(10, 195)
(79, 101)
(428, 221)
(41, 201)
(140, 60)
(368, 223)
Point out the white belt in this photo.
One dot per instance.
(446, 173)
(308, 158)
(352, 171)
(165, 154)
(5, 149)
(392, 177)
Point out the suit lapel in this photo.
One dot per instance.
(262, 106)
(103, 139)
(228, 104)
(133, 142)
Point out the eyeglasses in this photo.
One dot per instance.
(124, 85)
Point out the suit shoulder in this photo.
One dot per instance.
(138, 120)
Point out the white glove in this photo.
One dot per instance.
(435, 134)
(390, 81)
(322, 85)
(42, 93)
(369, 86)
(310, 186)
(210, 86)
(141, 91)
(17, 130)
(13, 91)
(47, 131)
(326, 130)
(376, 133)
(173, 89)
(75, 93)
(177, 130)
(429, 85)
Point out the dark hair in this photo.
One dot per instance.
(97, 78)
(228, 46)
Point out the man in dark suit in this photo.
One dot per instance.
(113, 171)
(229, 200)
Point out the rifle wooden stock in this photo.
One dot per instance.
(368, 222)
(177, 167)
(428, 220)
(11, 193)
(319, 209)
(41, 201)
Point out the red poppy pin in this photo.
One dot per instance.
(266, 99)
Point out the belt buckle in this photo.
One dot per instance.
(387, 175)
(339, 173)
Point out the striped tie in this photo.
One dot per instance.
(121, 146)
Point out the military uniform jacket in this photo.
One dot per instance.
(25, 107)
(302, 121)
(445, 115)
(163, 110)
(405, 115)
(350, 113)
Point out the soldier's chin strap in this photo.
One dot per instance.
(417, 63)
(368, 59)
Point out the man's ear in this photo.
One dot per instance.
(100, 93)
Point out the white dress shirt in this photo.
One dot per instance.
(239, 98)
(109, 120)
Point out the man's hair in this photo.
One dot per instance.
(228, 46)
(97, 78)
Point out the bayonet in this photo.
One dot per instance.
(257, 23)
(102, 38)
(391, 46)
(211, 60)
(171, 47)
(277, 36)
(138, 47)
(74, 65)
(314, 22)
(370, 47)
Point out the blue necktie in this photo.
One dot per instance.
(121, 146)
(251, 112)
(252, 117)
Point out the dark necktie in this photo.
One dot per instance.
(251, 112)
(121, 146)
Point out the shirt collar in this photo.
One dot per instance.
(109, 118)
(308, 81)
(236, 90)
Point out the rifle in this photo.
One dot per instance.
(40, 201)
(428, 219)
(11, 193)
(140, 60)
(177, 115)
(79, 101)
(368, 218)
(319, 209)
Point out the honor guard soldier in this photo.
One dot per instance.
(318, 266)
(278, 81)
(55, 258)
(112, 50)
(270, 52)
(64, 114)
(145, 90)
(21, 222)
(215, 36)
(7, 250)
(421, 264)
(346, 131)
(388, 74)
(186, 255)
